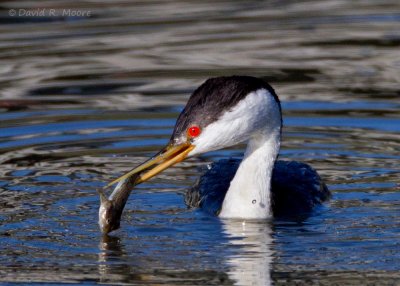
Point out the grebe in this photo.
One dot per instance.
(223, 112)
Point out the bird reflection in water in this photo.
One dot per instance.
(252, 264)
(248, 260)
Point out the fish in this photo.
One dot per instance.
(111, 208)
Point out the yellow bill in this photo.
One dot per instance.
(169, 156)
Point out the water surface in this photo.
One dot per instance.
(84, 99)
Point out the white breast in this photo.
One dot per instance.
(249, 193)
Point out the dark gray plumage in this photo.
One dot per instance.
(214, 97)
(296, 188)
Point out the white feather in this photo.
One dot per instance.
(256, 118)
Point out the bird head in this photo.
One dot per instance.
(222, 112)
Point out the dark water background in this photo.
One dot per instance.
(84, 99)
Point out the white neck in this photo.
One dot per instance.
(249, 194)
(256, 118)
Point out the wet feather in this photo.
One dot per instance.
(296, 188)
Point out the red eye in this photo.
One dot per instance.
(194, 131)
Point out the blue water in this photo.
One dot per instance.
(83, 100)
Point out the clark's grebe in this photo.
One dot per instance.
(223, 112)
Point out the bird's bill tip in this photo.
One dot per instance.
(167, 157)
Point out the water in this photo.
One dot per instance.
(84, 99)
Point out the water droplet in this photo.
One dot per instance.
(254, 201)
